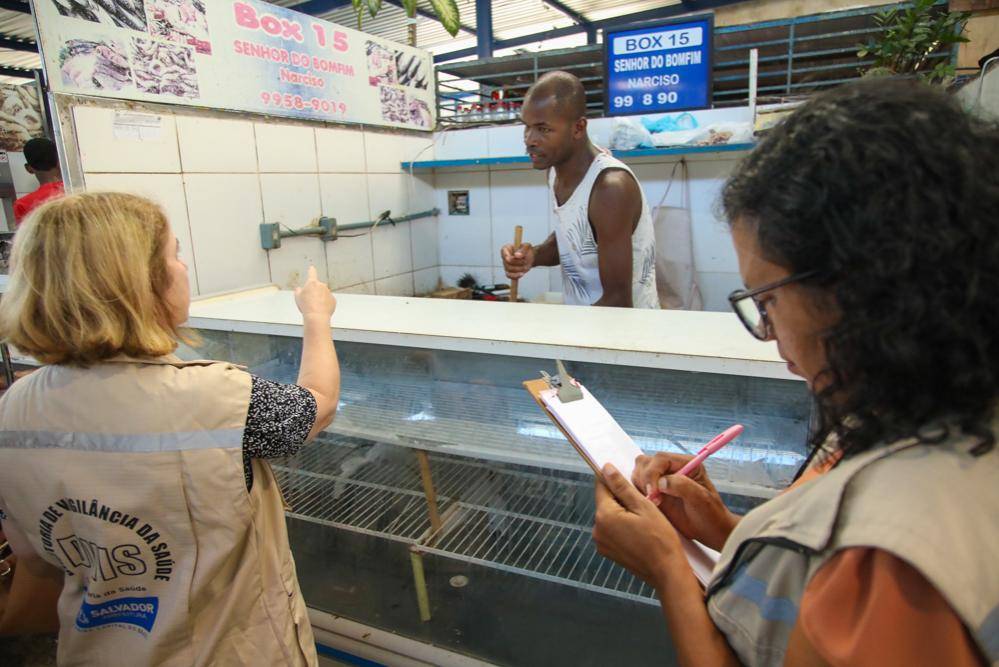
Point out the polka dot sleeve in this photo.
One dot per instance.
(277, 423)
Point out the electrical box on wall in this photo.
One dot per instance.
(457, 202)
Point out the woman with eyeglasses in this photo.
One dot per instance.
(867, 233)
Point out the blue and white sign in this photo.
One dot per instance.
(658, 68)
(140, 612)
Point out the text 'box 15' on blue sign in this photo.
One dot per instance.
(654, 69)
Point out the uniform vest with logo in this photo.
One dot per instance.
(934, 506)
(128, 476)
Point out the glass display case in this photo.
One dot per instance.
(442, 504)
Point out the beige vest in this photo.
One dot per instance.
(934, 506)
(129, 476)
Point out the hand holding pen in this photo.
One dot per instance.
(680, 487)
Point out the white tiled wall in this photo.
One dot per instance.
(216, 145)
(502, 197)
(167, 190)
(220, 178)
(104, 147)
(225, 212)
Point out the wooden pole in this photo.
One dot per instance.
(518, 238)
(428, 489)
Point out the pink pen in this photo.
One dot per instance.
(717, 442)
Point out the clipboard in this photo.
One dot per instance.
(701, 558)
(535, 388)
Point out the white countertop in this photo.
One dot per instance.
(679, 340)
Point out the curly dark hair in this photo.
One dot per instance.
(890, 191)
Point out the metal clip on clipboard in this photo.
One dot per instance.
(567, 387)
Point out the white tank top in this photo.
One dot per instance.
(578, 248)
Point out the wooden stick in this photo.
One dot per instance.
(518, 238)
(420, 584)
(428, 489)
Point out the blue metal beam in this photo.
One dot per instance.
(579, 18)
(318, 7)
(567, 10)
(15, 6)
(18, 72)
(670, 11)
(17, 44)
(484, 23)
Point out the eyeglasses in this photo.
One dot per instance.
(752, 313)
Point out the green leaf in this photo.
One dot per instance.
(374, 6)
(410, 7)
(448, 15)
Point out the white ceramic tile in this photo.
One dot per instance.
(285, 148)
(395, 286)
(293, 201)
(225, 214)
(349, 260)
(425, 280)
(506, 140)
(23, 181)
(713, 249)
(420, 190)
(462, 144)
(345, 197)
(290, 263)
(655, 179)
(451, 274)
(715, 288)
(393, 250)
(363, 288)
(388, 192)
(465, 240)
(385, 151)
(518, 198)
(220, 145)
(418, 147)
(530, 287)
(340, 150)
(167, 190)
(108, 144)
(425, 233)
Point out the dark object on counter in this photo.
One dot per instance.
(484, 292)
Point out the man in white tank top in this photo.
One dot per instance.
(603, 237)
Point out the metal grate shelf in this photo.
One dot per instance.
(504, 424)
(531, 522)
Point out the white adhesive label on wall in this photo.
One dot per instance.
(138, 126)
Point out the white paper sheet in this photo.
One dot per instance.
(603, 441)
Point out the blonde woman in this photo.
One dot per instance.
(138, 476)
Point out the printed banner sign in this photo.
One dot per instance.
(140, 612)
(241, 55)
(20, 116)
(657, 69)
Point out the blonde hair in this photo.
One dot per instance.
(88, 281)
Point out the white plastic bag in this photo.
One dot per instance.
(676, 277)
(629, 134)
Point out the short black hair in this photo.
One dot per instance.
(888, 189)
(566, 88)
(41, 154)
